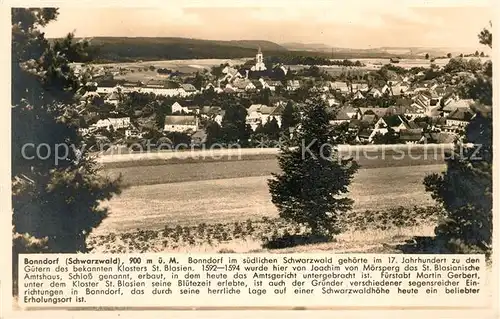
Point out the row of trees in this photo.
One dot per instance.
(310, 60)
(234, 129)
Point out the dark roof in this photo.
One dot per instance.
(188, 87)
(461, 115)
(365, 132)
(404, 102)
(369, 118)
(162, 84)
(441, 137)
(348, 109)
(379, 111)
(341, 115)
(210, 109)
(410, 135)
(394, 120)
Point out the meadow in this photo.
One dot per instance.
(224, 188)
(153, 203)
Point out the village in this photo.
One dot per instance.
(391, 105)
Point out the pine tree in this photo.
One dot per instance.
(289, 117)
(272, 129)
(234, 125)
(465, 188)
(313, 179)
(55, 200)
(214, 133)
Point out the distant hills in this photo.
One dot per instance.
(124, 49)
(393, 51)
(130, 49)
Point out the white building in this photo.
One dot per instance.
(180, 123)
(116, 123)
(259, 62)
(261, 114)
(177, 108)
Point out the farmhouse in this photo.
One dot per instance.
(189, 89)
(340, 117)
(349, 110)
(112, 98)
(411, 136)
(214, 113)
(374, 92)
(260, 114)
(365, 135)
(341, 87)
(244, 85)
(115, 123)
(386, 89)
(395, 122)
(363, 87)
(180, 123)
(358, 95)
(177, 108)
(230, 74)
(292, 85)
(459, 118)
(398, 90)
(377, 111)
(90, 97)
(410, 111)
(456, 105)
(164, 88)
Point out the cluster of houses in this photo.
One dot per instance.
(423, 111)
(412, 124)
(251, 79)
(186, 119)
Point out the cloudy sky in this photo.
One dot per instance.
(352, 23)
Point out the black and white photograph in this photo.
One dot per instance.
(295, 127)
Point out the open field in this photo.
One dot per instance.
(170, 167)
(238, 199)
(141, 70)
(173, 190)
(375, 64)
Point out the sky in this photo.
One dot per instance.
(346, 24)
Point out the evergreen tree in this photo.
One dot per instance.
(289, 117)
(260, 129)
(234, 125)
(465, 188)
(313, 179)
(55, 199)
(214, 133)
(272, 129)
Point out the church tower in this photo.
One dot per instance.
(260, 57)
(259, 62)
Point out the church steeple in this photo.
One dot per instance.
(259, 61)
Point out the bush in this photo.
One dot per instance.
(286, 241)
